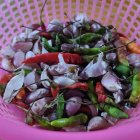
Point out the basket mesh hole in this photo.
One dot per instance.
(6, 30)
(4, 8)
(12, 25)
(131, 13)
(10, 19)
(3, 25)
(127, 2)
(14, 9)
(15, 30)
(7, 14)
(126, 24)
(33, 13)
(19, 20)
(134, 7)
(22, 4)
(9, 35)
(129, 19)
(137, 1)
(124, 8)
(138, 35)
(12, 2)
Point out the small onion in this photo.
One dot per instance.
(23, 46)
(97, 123)
(35, 95)
(73, 105)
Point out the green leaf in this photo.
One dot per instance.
(60, 106)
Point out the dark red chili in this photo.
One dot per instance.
(20, 103)
(100, 92)
(52, 58)
(46, 35)
(79, 85)
(54, 90)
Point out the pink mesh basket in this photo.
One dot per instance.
(123, 14)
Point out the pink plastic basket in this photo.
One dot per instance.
(123, 14)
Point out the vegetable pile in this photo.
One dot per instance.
(73, 76)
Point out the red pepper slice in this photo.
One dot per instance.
(52, 58)
(79, 85)
(5, 78)
(54, 90)
(100, 92)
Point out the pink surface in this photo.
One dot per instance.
(123, 14)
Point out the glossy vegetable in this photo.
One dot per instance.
(47, 45)
(52, 58)
(79, 85)
(71, 121)
(60, 107)
(123, 70)
(91, 51)
(99, 89)
(133, 47)
(43, 122)
(86, 38)
(91, 92)
(114, 112)
(135, 94)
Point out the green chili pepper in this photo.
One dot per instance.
(87, 26)
(110, 101)
(135, 94)
(43, 122)
(87, 38)
(91, 94)
(57, 42)
(60, 106)
(91, 51)
(74, 120)
(88, 58)
(123, 70)
(114, 111)
(64, 39)
(47, 45)
(101, 31)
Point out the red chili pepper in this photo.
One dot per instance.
(54, 90)
(52, 58)
(20, 103)
(101, 98)
(21, 94)
(5, 78)
(46, 35)
(121, 35)
(79, 85)
(100, 92)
